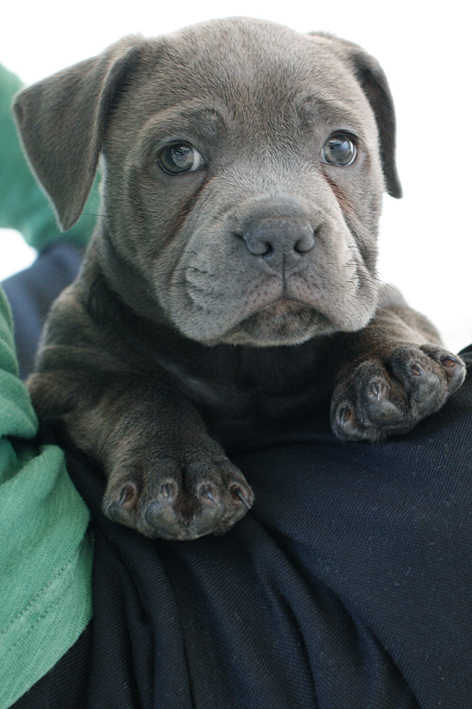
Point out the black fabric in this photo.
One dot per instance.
(349, 584)
(66, 685)
(31, 293)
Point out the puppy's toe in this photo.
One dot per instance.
(451, 365)
(219, 506)
(160, 514)
(120, 505)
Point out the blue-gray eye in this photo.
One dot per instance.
(339, 150)
(177, 158)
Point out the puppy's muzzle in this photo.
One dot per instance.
(279, 243)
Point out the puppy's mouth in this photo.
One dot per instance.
(284, 321)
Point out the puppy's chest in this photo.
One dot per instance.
(244, 396)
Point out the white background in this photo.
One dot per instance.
(424, 48)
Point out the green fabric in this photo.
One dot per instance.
(45, 546)
(23, 205)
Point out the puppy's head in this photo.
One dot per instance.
(244, 165)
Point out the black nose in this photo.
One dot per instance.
(279, 242)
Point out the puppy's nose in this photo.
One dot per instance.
(279, 242)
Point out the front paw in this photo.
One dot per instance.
(386, 396)
(182, 498)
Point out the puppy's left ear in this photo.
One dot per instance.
(373, 82)
(62, 119)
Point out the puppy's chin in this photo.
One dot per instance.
(284, 322)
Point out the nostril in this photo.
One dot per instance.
(268, 249)
(305, 243)
(257, 245)
(303, 246)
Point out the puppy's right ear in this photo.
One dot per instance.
(373, 83)
(61, 121)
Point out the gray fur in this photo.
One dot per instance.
(216, 304)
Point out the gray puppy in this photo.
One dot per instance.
(230, 285)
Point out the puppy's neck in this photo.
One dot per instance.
(123, 278)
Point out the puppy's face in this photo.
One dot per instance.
(244, 168)
(243, 184)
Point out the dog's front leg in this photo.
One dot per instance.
(396, 372)
(166, 476)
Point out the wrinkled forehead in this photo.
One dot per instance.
(251, 73)
(254, 85)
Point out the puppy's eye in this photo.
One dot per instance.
(339, 150)
(178, 158)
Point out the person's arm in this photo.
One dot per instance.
(45, 548)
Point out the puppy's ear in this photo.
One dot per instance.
(373, 82)
(61, 121)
